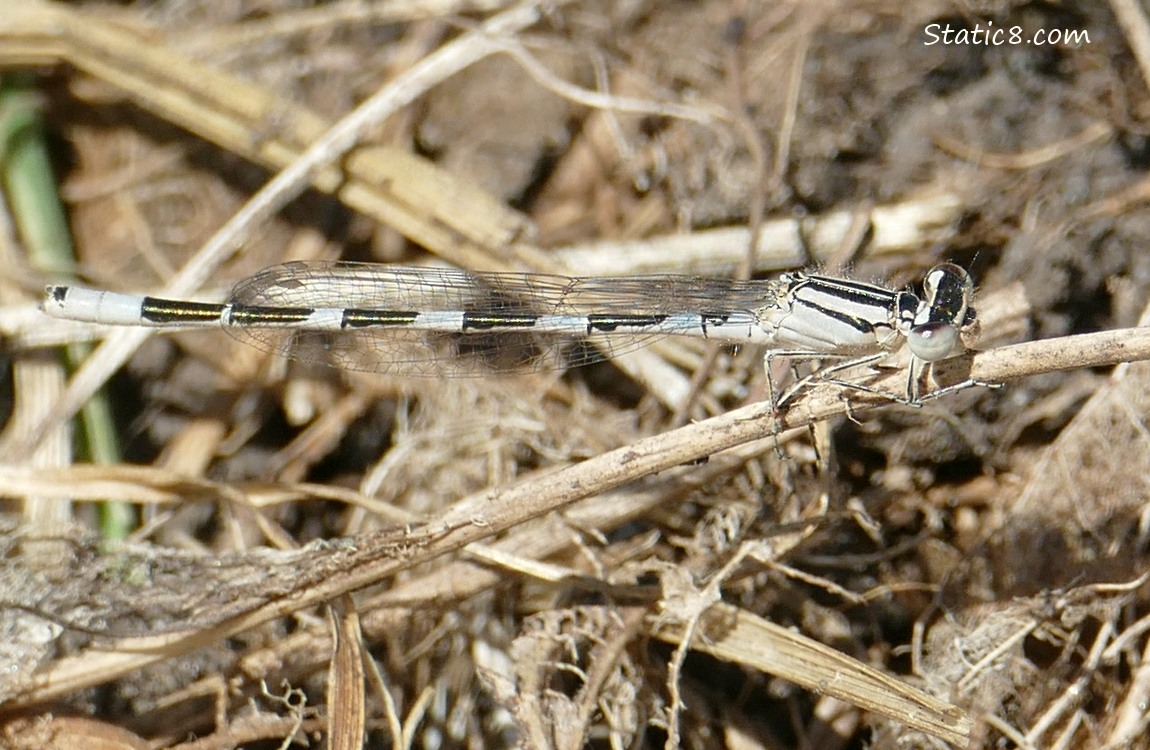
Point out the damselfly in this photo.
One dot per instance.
(430, 321)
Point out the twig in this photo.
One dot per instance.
(1132, 18)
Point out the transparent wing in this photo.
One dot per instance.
(410, 351)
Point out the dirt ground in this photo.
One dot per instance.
(330, 555)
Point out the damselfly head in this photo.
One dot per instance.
(943, 312)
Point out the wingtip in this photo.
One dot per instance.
(54, 296)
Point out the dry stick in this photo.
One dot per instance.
(379, 555)
(286, 24)
(896, 229)
(1006, 363)
(1132, 18)
(735, 635)
(703, 114)
(283, 188)
(346, 698)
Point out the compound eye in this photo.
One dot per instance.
(932, 341)
(947, 274)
